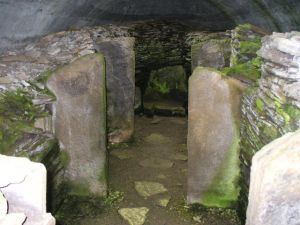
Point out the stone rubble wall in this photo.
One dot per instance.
(272, 108)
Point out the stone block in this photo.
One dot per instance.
(80, 122)
(120, 78)
(213, 138)
(274, 197)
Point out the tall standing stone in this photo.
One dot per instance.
(274, 197)
(213, 138)
(120, 73)
(80, 121)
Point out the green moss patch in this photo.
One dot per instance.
(224, 190)
(250, 70)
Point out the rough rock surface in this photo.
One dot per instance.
(134, 216)
(24, 185)
(120, 73)
(274, 197)
(80, 121)
(211, 50)
(273, 108)
(21, 67)
(166, 86)
(19, 17)
(213, 137)
(147, 189)
(245, 42)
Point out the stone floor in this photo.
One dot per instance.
(150, 174)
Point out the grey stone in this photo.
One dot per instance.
(273, 108)
(166, 91)
(80, 121)
(213, 53)
(137, 98)
(147, 189)
(122, 154)
(157, 138)
(213, 138)
(120, 72)
(274, 197)
(134, 216)
(156, 163)
(179, 157)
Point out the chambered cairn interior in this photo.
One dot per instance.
(154, 112)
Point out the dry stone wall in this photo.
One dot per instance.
(272, 108)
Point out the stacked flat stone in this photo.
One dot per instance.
(158, 44)
(273, 108)
(245, 42)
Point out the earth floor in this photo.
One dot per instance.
(158, 154)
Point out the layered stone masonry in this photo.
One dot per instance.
(273, 108)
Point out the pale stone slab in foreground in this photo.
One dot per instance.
(274, 197)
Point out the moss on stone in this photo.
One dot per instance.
(224, 190)
(292, 111)
(250, 70)
(250, 47)
(259, 105)
(271, 132)
(17, 114)
(280, 110)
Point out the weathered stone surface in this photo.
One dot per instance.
(274, 197)
(80, 121)
(120, 72)
(14, 219)
(156, 163)
(245, 42)
(137, 99)
(163, 202)
(158, 44)
(157, 138)
(179, 157)
(166, 92)
(213, 53)
(273, 108)
(3, 205)
(166, 84)
(122, 154)
(213, 137)
(134, 216)
(147, 189)
(24, 185)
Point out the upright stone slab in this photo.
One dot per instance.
(80, 122)
(213, 138)
(274, 197)
(120, 72)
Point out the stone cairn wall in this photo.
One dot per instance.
(26, 103)
(273, 107)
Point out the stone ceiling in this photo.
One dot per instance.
(22, 19)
